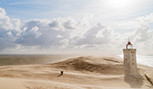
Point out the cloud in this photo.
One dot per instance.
(142, 32)
(9, 28)
(142, 37)
(68, 33)
(69, 24)
(43, 33)
(100, 36)
(133, 24)
(56, 32)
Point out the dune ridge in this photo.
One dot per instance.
(103, 65)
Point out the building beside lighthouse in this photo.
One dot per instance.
(130, 64)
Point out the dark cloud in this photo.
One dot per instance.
(69, 24)
(54, 24)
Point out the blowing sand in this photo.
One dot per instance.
(79, 73)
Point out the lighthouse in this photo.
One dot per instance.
(131, 75)
(130, 64)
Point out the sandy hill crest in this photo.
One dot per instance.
(104, 65)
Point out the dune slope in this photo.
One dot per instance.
(79, 73)
(105, 65)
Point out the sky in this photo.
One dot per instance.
(75, 26)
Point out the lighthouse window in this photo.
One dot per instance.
(132, 63)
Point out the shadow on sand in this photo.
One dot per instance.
(60, 74)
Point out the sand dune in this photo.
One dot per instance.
(79, 73)
(105, 65)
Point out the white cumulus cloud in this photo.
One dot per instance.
(9, 28)
(71, 34)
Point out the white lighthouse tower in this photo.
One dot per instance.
(130, 64)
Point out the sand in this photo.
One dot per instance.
(79, 73)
